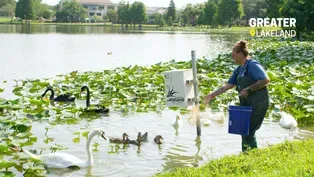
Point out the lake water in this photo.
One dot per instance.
(43, 51)
(51, 51)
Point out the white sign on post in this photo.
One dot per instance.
(179, 88)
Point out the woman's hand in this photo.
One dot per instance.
(208, 98)
(244, 93)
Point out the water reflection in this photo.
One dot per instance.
(82, 29)
(198, 144)
(67, 29)
(181, 148)
(62, 172)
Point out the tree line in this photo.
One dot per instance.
(212, 12)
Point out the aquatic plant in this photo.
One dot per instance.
(141, 88)
(288, 63)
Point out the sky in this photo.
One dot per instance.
(149, 3)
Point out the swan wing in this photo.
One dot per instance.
(61, 160)
(284, 123)
(287, 120)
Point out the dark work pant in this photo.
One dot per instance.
(249, 141)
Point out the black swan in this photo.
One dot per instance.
(63, 97)
(93, 108)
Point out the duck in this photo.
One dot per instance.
(287, 120)
(60, 98)
(177, 121)
(158, 139)
(137, 141)
(215, 116)
(206, 122)
(118, 140)
(145, 137)
(65, 160)
(93, 108)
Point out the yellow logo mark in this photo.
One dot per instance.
(252, 32)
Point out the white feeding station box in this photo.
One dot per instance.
(179, 88)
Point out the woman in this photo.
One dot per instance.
(251, 83)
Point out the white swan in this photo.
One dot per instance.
(287, 120)
(64, 160)
(177, 121)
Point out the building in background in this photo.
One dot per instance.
(97, 7)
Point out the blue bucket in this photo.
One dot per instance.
(239, 119)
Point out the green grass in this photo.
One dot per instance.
(5, 19)
(286, 159)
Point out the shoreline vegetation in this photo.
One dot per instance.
(262, 31)
(199, 28)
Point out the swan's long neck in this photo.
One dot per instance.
(90, 159)
(52, 93)
(87, 97)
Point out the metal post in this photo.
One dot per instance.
(198, 123)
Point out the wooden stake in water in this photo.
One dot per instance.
(198, 123)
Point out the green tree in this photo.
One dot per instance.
(71, 11)
(273, 8)
(254, 9)
(4, 2)
(37, 8)
(9, 7)
(171, 12)
(170, 22)
(153, 18)
(229, 10)
(29, 11)
(160, 20)
(47, 14)
(112, 15)
(200, 19)
(138, 13)
(123, 13)
(192, 12)
(215, 20)
(97, 18)
(209, 12)
(24, 9)
(184, 18)
(303, 11)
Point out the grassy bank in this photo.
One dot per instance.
(5, 20)
(286, 159)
